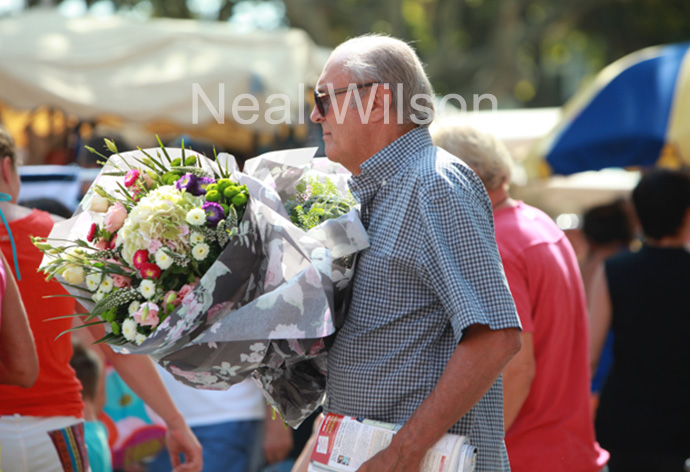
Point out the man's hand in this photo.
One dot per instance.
(277, 438)
(472, 369)
(181, 440)
(391, 459)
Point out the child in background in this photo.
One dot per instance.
(89, 369)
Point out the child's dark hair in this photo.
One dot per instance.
(87, 365)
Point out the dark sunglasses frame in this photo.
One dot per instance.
(319, 97)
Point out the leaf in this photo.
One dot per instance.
(78, 327)
(65, 316)
(111, 338)
(76, 297)
(160, 143)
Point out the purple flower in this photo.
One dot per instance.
(214, 213)
(187, 182)
(202, 183)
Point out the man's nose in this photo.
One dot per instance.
(316, 116)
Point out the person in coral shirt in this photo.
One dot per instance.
(548, 419)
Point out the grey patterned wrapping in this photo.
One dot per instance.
(268, 303)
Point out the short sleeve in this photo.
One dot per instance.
(460, 259)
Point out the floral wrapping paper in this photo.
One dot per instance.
(268, 304)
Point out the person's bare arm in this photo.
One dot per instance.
(18, 360)
(302, 462)
(517, 379)
(141, 375)
(472, 369)
(277, 438)
(599, 316)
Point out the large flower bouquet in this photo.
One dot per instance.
(150, 241)
(190, 261)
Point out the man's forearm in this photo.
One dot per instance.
(471, 371)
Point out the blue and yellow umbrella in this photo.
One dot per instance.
(636, 113)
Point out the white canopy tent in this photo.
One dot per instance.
(147, 70)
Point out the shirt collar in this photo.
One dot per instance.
(385, 164)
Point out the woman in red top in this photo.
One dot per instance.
(41, 428)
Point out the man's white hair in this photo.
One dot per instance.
(386, 60)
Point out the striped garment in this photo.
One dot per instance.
(71, 447)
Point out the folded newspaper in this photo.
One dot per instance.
(344, 443)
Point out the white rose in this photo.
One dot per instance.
(129, 329)
(196, 238)
(74, 274)
(93, 281)
(107, 284)
(163, 260)
(196, 217)
(99, 204)
(147, 288)
(200, 251)
(133, 307)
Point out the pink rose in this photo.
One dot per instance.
(184, 291)
(101, 245)
(115, 217)
(147, 179)
(120, 281)
(131, 177)
(147, 314)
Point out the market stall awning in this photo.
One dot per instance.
(150, 71)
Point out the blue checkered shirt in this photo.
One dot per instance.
(431, 271)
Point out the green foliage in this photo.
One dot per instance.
(317, 200)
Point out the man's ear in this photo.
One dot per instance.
(382, 110)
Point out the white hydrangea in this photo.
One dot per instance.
(160, 215)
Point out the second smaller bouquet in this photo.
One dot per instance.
(153, 235)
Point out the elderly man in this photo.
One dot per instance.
(431, 323)
(546, 385)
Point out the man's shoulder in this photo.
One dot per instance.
(438, 170)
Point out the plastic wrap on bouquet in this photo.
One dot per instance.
(281, 171)
(279, 337)
(263, 308)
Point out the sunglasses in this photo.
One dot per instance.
(322, 99)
